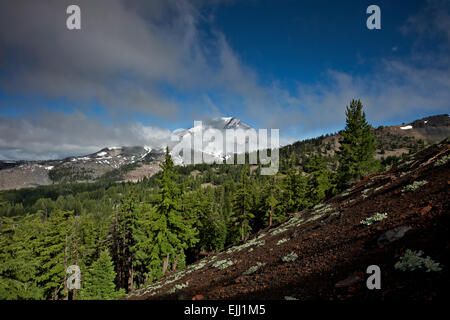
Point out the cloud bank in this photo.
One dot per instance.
(56, 135)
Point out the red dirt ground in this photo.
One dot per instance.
(337, 247)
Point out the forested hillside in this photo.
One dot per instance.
(395, 222)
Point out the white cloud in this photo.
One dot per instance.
(56, 135)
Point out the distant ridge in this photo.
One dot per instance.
(133, 163)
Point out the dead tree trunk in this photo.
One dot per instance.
(270, 217)
(66, 290)
(74, 295)
(130, 276)
(165, 264)
(174, 264)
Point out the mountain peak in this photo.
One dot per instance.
(233, 123)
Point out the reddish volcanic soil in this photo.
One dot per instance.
(333, 248)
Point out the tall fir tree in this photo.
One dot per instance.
(19, 264)
(53, 253)
(295, 191)
(125, 222)
(273, 212)
(172, 232)
(98, 283)
(207, 219)
(242, 204)
(319, 179)
(357, 150)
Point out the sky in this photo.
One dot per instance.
(137, 70)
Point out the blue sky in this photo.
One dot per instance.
(138, 70)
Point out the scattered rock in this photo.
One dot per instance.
(349, 281)
(425, 210)
(392, 235)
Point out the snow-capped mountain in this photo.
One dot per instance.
(133, 163)
(128, 163)
(221, 123)
(91, 167)
(114, 156)
(212, 150)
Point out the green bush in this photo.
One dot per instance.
(412, 260)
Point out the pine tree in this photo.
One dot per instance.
(172, 233)
(207, 219)
(242, 204)
(295, 191)
(357, 151)
(319, 179)
(53, 253)
(98, 283)
(19, 264)
(271, 204)
(125, 223)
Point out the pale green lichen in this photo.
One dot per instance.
(253, 269)
(412, 260)
(343, 194)
(315, 217)
(325, 209)
(282, 241)
(376, 217)
(406, 163)
(290, 257)
(320, 213)
(318, 206)
(293, 222)
(198, 266)
(414, 186)
(280, 230)
(364, 193)
(223, 264)
(252, 242)
(178, 287)
(442, 160)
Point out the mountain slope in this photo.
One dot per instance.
(23, 174)
(118, 163)
(323, 253)
(209, 149)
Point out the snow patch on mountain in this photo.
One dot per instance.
(212, 150)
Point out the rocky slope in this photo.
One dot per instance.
(323, 253)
